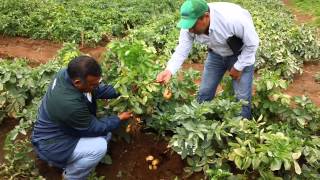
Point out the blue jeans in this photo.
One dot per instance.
(87, 154)
(214, 69)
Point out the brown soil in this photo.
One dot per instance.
(300, 17)
(198, 67)
(128, 161)
(37, 51)
(96, 52)
(305, 84)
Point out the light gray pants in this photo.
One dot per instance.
(87, 154)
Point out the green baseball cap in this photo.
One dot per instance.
(190, 11)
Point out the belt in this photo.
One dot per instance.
(237, 54)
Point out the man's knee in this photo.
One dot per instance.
(95, 151)
(242, 96)
(243, 91)
(100, 147)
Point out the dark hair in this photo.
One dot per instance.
(82, 66)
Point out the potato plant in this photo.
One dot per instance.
(161, 32)
(81, 21)
(31, 83)
(20, 84)
(210, 138)
(132, 66)
(14, 88)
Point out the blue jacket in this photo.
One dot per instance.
(65, 115)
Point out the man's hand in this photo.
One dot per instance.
(164, 76)
(235, 74)
(125, 116)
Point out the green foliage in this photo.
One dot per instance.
(14, 89)
(271, 102)
(18, 163)
(199, 128)
(311, 152)
(21, 165)
(67, 53)
(217, 174)
(283, 44)
(93, 176)
(22, 88)
(268, 93)
(131, 68)
(317, 77)
(20, 83)
(311, 6)
(162, 33)
(279, 149)
(251, 145)
(80, 21)
(211, 135)
(305, 115)
(184, 91)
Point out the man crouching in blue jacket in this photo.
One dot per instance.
(67, 133)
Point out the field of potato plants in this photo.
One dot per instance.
(209, 140)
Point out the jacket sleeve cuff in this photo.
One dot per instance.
(172, 70)
(112, 122)
(238, 66)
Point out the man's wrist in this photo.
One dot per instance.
(169, 70)
(237, 67)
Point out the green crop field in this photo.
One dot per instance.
(309, 6)
(282, 141)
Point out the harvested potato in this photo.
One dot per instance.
(155, 162)
(149, 158)
(138, 119)
(167, 94)
(154, 167)
(128, 129)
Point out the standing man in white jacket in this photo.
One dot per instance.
(228, 31)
